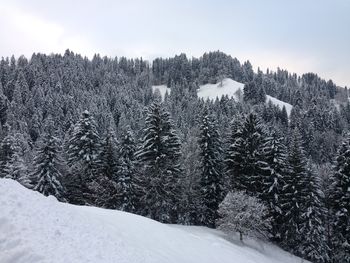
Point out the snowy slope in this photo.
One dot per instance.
(230, 87)
(163, 89)
(280, 103)
(227, 87)
(34, 228)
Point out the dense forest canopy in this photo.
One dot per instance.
(93, 132)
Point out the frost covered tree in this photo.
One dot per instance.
(106, 193)
(84, 158)
(340, 202)
(313, 245)
(294, 194)
(159, 156)
(273, 169)
(244, 156)
(244, 214)
(47, 165)
(6, 153)
(254, 93)
(84, 145)
(15, 166)
(127, 182)
(108, 156)
(211, 182)
(192, 176)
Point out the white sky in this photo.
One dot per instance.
(300, 36)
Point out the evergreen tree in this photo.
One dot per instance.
(340, 200)
(211, 171)
(47, 164)
(160, 156)
(314, 242)
(294, 194)
(284, 116)
(244, 158)
(273, 169)
(15, 167)
(253, 93)
(6, 153)
(127, 174)
(108, 156)
(84, 159)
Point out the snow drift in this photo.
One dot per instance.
(34, 228)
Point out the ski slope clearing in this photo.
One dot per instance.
(231, 88)
(163, 89)
(227, 87)
(35, 228)
(280, 104)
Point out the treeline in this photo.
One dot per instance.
(92, 132)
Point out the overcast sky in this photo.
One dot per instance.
(298, 35)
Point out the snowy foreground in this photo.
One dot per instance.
(34, 228)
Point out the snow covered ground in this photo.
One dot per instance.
(34, 228)
(226, 87)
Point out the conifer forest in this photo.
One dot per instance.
(95, 132)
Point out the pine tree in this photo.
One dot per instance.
(106, 193)
(273, 169)
(160, 155)
(47, 164)
(127, 173)
(294, 194)
(244, 156)
(84, 159)
(6, 153)
(84, 146)
(253, 93)
(211, 172)
(340, 200)
(284, 116)
(108, 156)
(313, 245)
(15, 167)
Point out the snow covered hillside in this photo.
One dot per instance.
(226, 87)
(34, 228)
(231, 88)
(280, 103)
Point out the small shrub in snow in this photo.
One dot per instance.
(244, 214)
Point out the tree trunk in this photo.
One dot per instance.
(241, 236)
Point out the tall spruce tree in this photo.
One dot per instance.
(127, 173)
(211, 183)
(273, 169)
(340, 200)
(6, 153)
(244, 156)
(294, 194)
(47, 162)
(160, 156)
(106, 194)
(313, 245)
(84, 159)
(15, 167)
